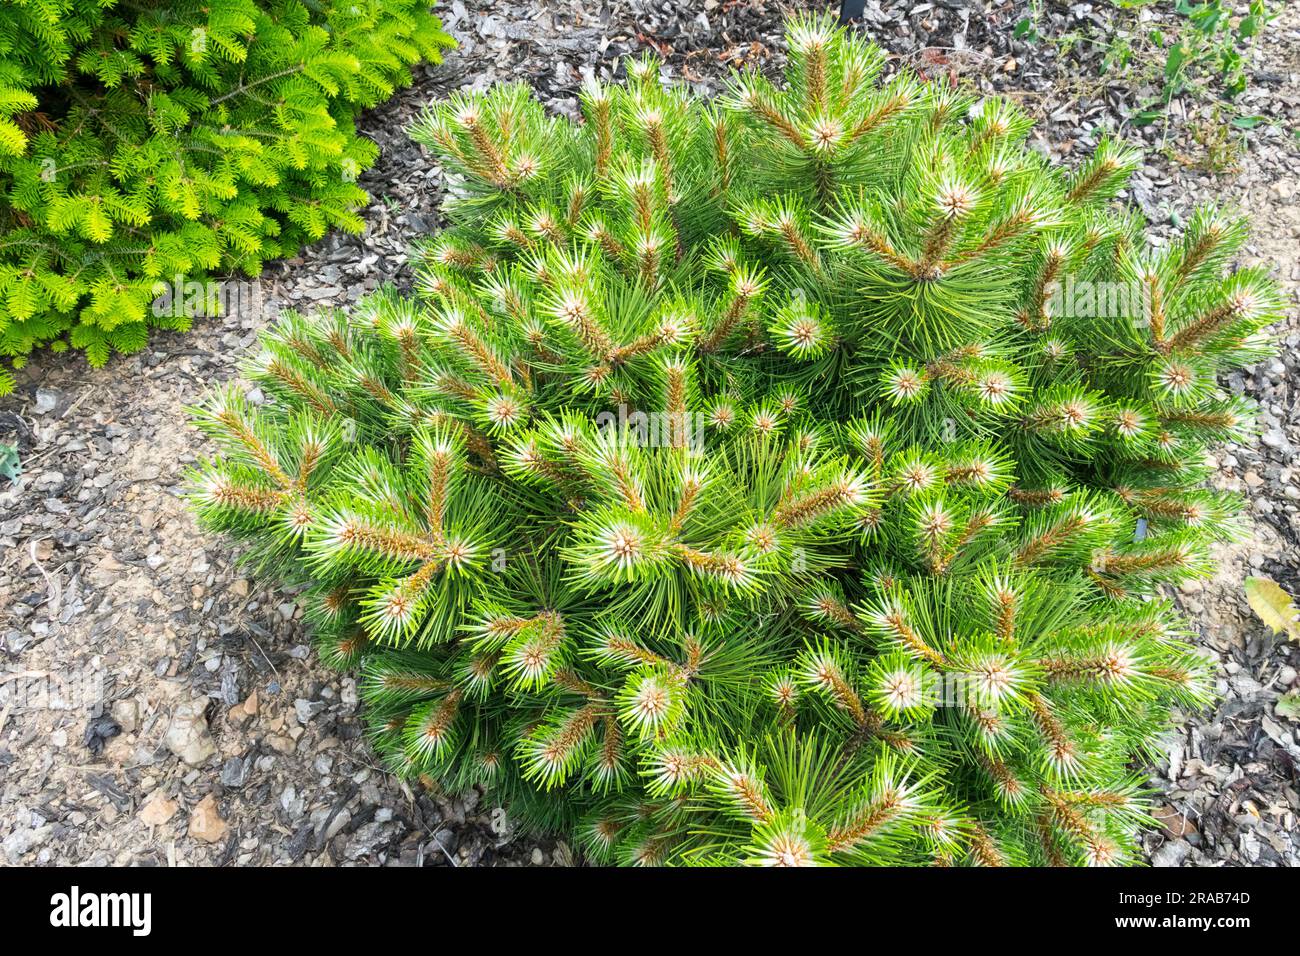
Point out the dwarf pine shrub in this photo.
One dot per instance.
(143, 144)
(785, 479)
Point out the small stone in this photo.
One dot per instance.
(127, 714)
(342, 819)
(1171, 854)
(447, 839)
(47, 400)
(348, 697)
(307, 709)
(243, 713)
(1275, 438)
(106, 571)
(188, 736)
(366, 840)
(280, 743)
(205, 821)
(24, 840)
(157, 810)
(234, 772)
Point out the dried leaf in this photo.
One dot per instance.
(1273, 606)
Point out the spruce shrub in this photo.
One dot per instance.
(144, 143)
(751, 481)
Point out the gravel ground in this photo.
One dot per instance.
(223, 741)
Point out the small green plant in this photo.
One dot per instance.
(785, 479)
(1206, 54)
(144, 144)
(10, 463)
(1219, 141)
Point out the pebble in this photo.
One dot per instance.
(158, 810)
(188, 736)
(206, 824)
(1172, 853)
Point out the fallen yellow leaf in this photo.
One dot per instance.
(1274, 606)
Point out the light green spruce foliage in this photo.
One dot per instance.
(145, 143)
(751, 480)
